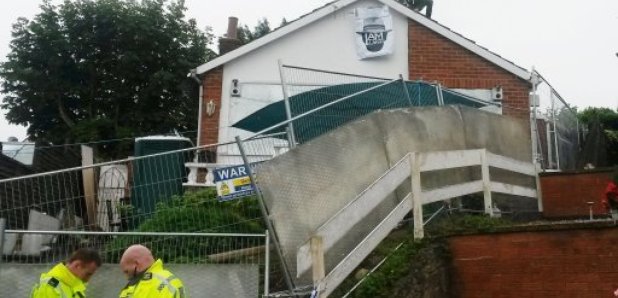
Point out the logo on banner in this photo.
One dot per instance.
(374, 32)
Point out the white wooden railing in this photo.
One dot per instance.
(196, 167)
(311, 254)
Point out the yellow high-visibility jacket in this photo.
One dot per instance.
(59, 282)
(156, 282)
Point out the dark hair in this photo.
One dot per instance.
(86, 255)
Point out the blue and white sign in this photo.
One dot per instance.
(233, 183)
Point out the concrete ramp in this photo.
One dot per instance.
(308, 185)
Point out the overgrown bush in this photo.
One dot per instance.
(465, 224)
(194, 212)
(401, 267)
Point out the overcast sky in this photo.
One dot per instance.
(572, 43)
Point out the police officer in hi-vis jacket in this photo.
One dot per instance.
(147, 277)
(68, 279)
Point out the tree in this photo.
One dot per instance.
(608, 118)
(606, 121)
(245, 35)
(88, 70)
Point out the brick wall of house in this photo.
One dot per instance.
(212, 84)
(568, 263)
(433, 57)
(566, 194)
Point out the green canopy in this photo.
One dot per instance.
(391, 96)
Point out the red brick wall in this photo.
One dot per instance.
(432, 57)
(212, 84)
(571, 263)
(566, 194)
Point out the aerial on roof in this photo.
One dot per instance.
(334, 6)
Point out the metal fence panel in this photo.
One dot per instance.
(98, 207)
(557, 129)
(222, 266)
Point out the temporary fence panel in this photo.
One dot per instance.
(58, 203)
(306, 186)
(557, 129)
(330, 99)
(221, 265)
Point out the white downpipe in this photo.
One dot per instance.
(200, 83)
(535, 80)
(199, 117)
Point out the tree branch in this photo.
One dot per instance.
(63, 114)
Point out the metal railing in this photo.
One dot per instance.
(221, 264)
(109, 206)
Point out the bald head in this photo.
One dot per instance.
(136, 259)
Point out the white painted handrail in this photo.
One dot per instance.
(410, 167)
(339, 225)
(443, 160)
(513, 165)
(354, 258)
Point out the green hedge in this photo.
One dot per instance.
(194, 212)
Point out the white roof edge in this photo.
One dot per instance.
(332, 7)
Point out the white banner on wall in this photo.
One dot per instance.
(374, 32)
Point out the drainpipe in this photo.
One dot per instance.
(535, 80)
(193, 74)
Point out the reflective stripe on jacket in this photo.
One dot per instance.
(59, 282)
(156, 282)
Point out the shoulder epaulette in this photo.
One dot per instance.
(53, 282)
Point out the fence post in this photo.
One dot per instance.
(317, 263)
(550, 148)
(553, 121)
(88, 177)
(405, 90)
(539, 191)
(2, 228)
(486, 183)
(417, 200)
(288, 109)
(439, 95)
(286, 273)
(266, 263)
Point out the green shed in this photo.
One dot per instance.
(157, 178)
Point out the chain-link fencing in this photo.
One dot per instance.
(319, 101)
(222, 265)
(302, 189)
(557, 129)
(162, 200)
(170, 195)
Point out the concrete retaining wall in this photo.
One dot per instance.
(308, 185)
